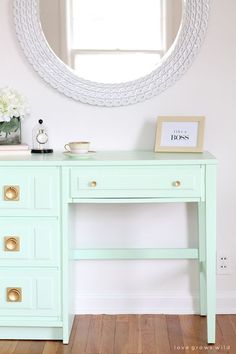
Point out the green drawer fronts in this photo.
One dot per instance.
(29, 293)
(123, 182)
(32, 242)
(30, 191)
(30, 251)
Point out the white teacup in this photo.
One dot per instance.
(78, 147)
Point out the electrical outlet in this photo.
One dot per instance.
(223, 263)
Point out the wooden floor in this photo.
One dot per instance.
(135, 334)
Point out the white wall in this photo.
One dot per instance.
(208, 88)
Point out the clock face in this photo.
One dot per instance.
(42, 138)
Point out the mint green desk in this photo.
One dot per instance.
(36, 259)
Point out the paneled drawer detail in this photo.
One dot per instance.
(39, 293)
(128, 182)
(35, 190)
(29, 241)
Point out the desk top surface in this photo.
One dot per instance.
(110, 158)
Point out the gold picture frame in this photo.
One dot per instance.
(180, 134)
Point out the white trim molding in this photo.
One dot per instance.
(173, 65)
(170, 303)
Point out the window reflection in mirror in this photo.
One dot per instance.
(111, 41)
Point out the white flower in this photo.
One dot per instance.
(12, 104)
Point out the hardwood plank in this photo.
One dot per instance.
(8, 346)
(81, 335)
(174, 333)
(219, 346)
(22, 347)
(148, 334)
(51, 347)
(94, 335)
(108, 334)
(226, 325)
(161, 333)
(194, 333)
(122, 318)
(228, 332)
(66, 349)
(232, 319)
(195, 336)
(36, 347)
(135, 340)
(121, 335)
(220, 341)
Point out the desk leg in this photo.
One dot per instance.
(202, 256)
(211, 251)
(67, 272)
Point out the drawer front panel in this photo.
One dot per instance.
(29, 241)
(30, 293)
(29, 189)
(118, 182)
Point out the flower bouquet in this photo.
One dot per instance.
(13, 108)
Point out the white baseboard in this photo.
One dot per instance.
(149, 304)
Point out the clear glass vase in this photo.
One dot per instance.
(10, 132)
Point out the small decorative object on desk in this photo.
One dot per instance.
(13, 108)
(180, 134)
(40, 139)
(11, 150)
(78, 149)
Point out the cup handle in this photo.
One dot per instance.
(66, 147)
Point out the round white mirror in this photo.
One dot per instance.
(111, 41)
(114, 54)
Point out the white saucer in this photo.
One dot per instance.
(79, 155)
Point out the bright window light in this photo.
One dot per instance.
(112, 24)
(123, 39)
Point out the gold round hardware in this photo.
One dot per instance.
(11, 193)
(11, 244)
(93, 184)
(177, 183)
(13, 294)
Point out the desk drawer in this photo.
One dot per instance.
(30, 189)
(29, 242)
(29, 293)
(136, 182)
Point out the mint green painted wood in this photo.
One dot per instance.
(48, 185)
(202, 256)
(38, 242)
(112, 158)
(40, 293)
(131, 200)
(136, 182)
(135, 253)
(210, 216)
(67, 265)
(39, 191)
(30, 322)
(27, 333)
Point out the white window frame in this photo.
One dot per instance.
(71, 52)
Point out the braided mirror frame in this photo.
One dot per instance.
(60, 76)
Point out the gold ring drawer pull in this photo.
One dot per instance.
(93, 184)
(12, 244)
(14, 295)
(176, 183)
(11, 193)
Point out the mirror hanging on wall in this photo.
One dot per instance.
(111, 41)
(115, 57)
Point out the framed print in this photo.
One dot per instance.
(180, 134)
